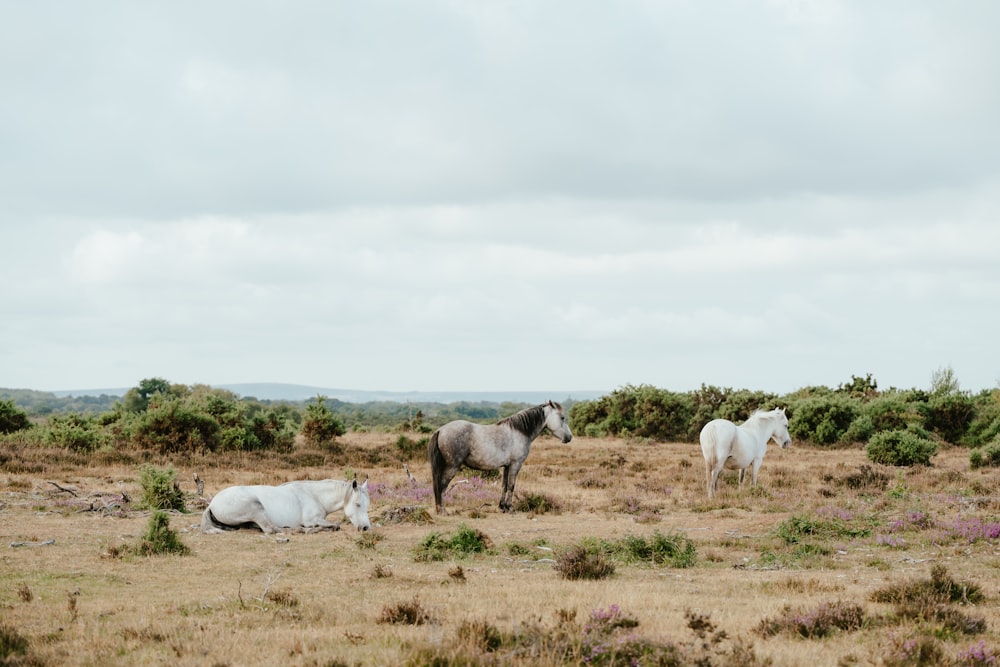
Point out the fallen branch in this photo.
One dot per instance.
(32, 544)
(63, 488)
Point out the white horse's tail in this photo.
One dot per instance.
(209, 524)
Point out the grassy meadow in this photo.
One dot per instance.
(616, 557)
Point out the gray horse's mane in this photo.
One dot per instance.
(528, 421)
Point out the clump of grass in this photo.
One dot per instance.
(795, 528)
(464, 542)
(159, 489)
(581, 562)
(369, 539)
(405, 613)
(674, 549)
(408, 449)
(537, 503)
(24, 593)
(940, 588)
(160, 538)
(822, 621)
(457, 574)
(13, 645)
(281, 598)
(414, 514)
(480, 636)
(381, 571)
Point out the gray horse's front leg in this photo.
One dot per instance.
(509, 480)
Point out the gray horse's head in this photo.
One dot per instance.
(555, 421)
(780, 433)
(356, 508)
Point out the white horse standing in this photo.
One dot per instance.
(726, 445)
(302, 505)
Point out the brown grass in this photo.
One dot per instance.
(245, 598)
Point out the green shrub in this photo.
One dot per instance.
(160, 538)
(822, 420)
(75, 432)
(674, 549)
(320, 426)
(171, 425)
(987, 456)
(948, 415)
(461, 544)
(900, 448)
(409, 449)
(12, 419)
(159, 489)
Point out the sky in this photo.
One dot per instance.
(521, 195)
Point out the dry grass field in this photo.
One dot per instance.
(816, 554)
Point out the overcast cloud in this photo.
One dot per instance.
(499, 196)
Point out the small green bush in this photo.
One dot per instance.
(12, 419)
(900, 448)
(674, 549)
(159, 489)
(461, 544)
(160, 538)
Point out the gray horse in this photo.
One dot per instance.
(502, 445)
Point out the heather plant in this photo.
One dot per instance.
(409, 612)
(537, 503)
(940, 588)
(822, 621)
(978, 655)
(583, 562)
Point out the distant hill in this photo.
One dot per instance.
(276, 391)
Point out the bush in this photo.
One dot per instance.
(900, 448)
(11, 418)
(581, 562)
(75, 432)
(824, 420)
(159, 538)
(948, 415)
(159, 489)
(464, 542)
(674, 549)
(987, 456)
(320, 426)
(171, 426)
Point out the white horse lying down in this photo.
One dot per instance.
(294, 506)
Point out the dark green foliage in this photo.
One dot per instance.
(173, 425)
(160, 538)
(320, 426)
(987, 456)
(797, 527)
(900, 448)
(643, 411)
(159, 489)
(12, 643)
(581, 562)
(137, 398)
(409, 449)
(674, 549)
(948, 415)
(464, 542)
(823, 421)
(12, 419)
(75, 432)
(985, 426)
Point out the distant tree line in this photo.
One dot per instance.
(899, 427)
(159, 416)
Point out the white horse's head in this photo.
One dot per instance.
(356, 509)
(780, 432)
(555, 421)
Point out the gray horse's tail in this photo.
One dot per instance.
(437, 467)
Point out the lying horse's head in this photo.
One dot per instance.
(356, 507)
